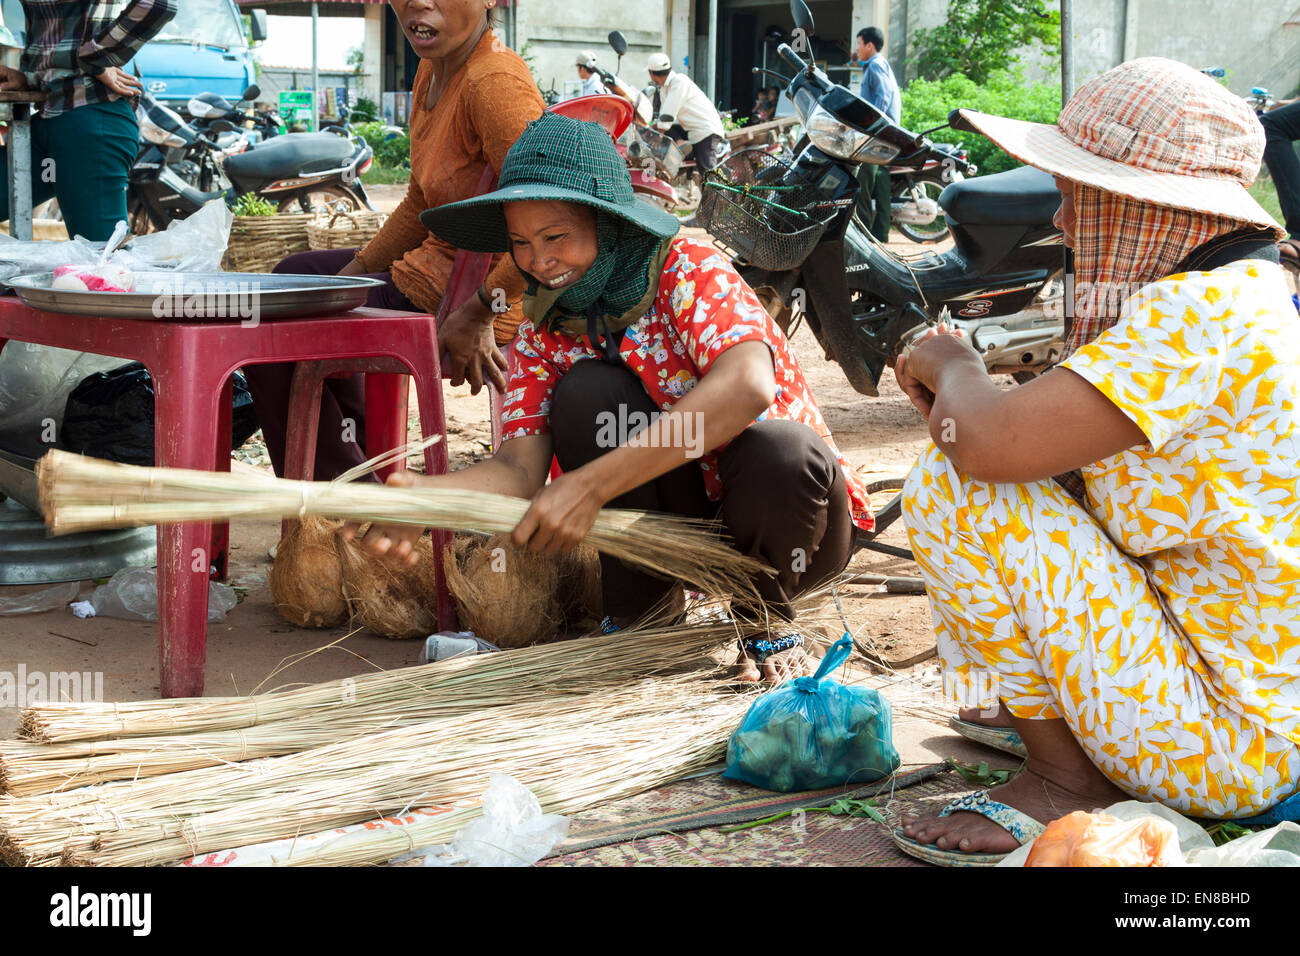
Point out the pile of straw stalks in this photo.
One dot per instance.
(155, 782)
(80, 494)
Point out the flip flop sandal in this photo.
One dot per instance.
(1289, 249)
(1021, 826)
(999, 738)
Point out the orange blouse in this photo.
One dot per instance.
(478, 117)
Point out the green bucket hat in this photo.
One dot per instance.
(556, 157)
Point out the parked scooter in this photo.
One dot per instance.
(207, 109)
(915, 190)
(673, 163)
(799, 246)
(179, 169)
(615, 114)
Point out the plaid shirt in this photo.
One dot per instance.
(69, 44)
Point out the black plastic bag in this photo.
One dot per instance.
(110, 415)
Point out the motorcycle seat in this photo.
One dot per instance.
(1024, 196)
(293, 154)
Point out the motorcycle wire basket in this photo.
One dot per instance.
(754, 208)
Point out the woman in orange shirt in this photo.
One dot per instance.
(472, 98)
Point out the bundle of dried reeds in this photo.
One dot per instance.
(581, 664)
(309, 717)
(79, 493)
(632, 736)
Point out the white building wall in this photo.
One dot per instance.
(557, 29)
(373, 31)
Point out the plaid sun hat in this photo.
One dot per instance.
(1153, 130)
(557, 158)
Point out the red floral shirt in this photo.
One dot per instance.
(702, 309)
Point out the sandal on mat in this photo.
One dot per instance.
(999, 738)
(1021, 826)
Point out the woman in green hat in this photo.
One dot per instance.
(657, 380)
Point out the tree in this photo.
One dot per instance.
(357, 58)
(983, 36)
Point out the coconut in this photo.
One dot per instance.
(306, 579)
(387, 595)
(580, 595)
(503, 594)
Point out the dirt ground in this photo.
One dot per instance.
(253, 648)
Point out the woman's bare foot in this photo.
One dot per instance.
(777, 667)
(1058, 779)
(978, 715)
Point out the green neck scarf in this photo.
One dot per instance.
(618, 289)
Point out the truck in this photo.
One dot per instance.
(202, 50)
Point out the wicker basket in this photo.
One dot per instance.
(345, 229)
(257, 243)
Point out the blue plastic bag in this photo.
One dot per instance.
(814, 732)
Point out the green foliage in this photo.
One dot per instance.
(392, 152)
(730, 123)
(1265, 194)
(843, 807)
(378, 175)
(982, 37)
(251, 204)
(1006, 93)
(357, 58)
(981, 774)
(365, 111)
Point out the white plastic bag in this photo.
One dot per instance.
(27, 256)
(1276, 846)
(512, 831)
(196, 244)
(132, 594)
(35, 381)
(47, 599)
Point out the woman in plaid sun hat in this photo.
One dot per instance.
(656, 378)
(1140, 639)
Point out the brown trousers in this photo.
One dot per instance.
(784, 497)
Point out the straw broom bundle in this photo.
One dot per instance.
(583, 663)
(177, 815)
(570, 787)
(612, 755)
(387, 701)
(79, 494)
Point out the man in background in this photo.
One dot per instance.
(684, 112)
(880, 89)
(1281, 129)
(591, 82)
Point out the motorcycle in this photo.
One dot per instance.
(179, 169)
(915, 190)
(673, 162)
(615, 114)
(798, 245)
(257, 126)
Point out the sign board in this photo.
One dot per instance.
(296, 106)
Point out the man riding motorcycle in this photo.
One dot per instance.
(685, 113)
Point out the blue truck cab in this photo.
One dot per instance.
(202, 50)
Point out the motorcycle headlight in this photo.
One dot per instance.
(838, 139)
(159, 136)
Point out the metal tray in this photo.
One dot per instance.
(204, 296)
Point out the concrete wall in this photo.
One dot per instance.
(374, 51)
(558, 29)
(1258, 41)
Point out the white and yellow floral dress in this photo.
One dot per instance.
(1055, 609)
